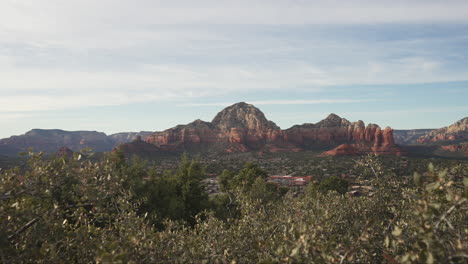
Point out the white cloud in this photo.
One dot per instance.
(421, 110)
(70, 54)
(25, 89)
(51, 89)
(14, 104)
(119, 23)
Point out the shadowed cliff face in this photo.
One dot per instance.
(243, 127)
(50, 140)
(140, 148)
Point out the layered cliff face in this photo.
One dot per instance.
(245, 125)
(242, 127)
(383, 143)
(331, 131)
(140, 148)
(457, 131)
(238, 128)
(184, 137)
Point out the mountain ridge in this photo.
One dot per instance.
(240, 127)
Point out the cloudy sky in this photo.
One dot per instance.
(131, 65)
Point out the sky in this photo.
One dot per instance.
(141, 65)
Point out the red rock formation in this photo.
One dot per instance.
(384, 142)
(183, 136)
(456, 131)
(463, 149)
(140, 148)
(342, 150)
(242, 127)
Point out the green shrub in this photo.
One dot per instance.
(333, 183)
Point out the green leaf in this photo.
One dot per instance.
(397, 231)
(465, 182)
(430, 258)
(432, 186)
(430, 167)
(417, 179)
(449, 196)
(435, 205)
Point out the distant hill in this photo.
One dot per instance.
(409, 136)
(51, 140)
(124, 137)
(456, 131)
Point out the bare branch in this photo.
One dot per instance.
(24, 228)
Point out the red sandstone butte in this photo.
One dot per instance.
(243, 127)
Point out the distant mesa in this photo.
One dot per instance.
(50, 140)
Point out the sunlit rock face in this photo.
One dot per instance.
(342, 150)
(242, 127)
(456, 131)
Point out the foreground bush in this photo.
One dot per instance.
(110, 211)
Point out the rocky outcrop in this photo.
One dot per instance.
(384, 142)
(238, 128)
(461, 149)
(242, 127)
(342, 150)
(185, 137)
(457, 131)
(140, 148)
(352, 137)
(331, 131)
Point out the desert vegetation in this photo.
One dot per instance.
(118, 210)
